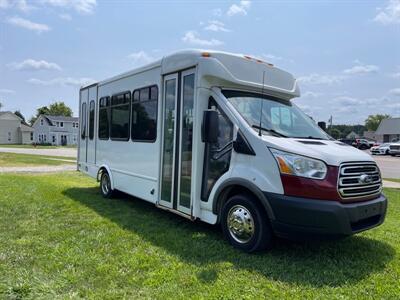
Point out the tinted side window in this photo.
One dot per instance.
(83, 118)
(91, 119)
(144, 114)
(104, 118)
(120, 114)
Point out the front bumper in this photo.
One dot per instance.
(300, 217)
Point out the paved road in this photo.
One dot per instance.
(70, 152)
(389, 166)
(38, 169)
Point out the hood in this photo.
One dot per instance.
(332, 153)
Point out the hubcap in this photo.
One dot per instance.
(105, 184)
(240, 224)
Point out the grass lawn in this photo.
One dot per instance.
(60, 239)
(28, 146)
(392, 179)
(21, 160)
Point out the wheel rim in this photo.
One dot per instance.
(105, 184)
(240, 224)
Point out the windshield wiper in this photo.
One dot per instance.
(269, 130)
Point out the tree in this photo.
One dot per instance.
(1, 105)
(54, 109)
(373, 121)
(335, 133)
(19, 114)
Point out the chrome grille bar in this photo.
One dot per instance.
(359, 180)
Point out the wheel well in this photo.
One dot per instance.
(100, 172)
(231, 191)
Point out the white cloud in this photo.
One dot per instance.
(315, 78)
(215, 25)
(140, 58)
(361, 68)
(191, 37)
(35, 65)
(347, 101)
(21, 5)
(239, 9)
(7, 91)
(81, 6)
(65, 17)
(310, 94)
(390, 14)
(24, 23)
(395, 92)
(64, 81)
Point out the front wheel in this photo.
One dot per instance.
(105, 185)
(245, 224)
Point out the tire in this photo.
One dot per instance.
(387, 152)
(105, 185)
(243, 213)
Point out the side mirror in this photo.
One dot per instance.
(209, 128)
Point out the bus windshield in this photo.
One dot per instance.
(279, 117)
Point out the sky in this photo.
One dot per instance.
(345, 54)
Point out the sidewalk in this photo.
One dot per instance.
(391, 184)
(38, 169)
(68, 152)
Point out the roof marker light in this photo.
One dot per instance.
(246, 56)
(205, 54)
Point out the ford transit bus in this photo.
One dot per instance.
(218, 137)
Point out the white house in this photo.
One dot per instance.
(13, 130)
(56, 130)
(389, 130)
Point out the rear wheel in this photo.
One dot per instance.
(105, 185)
(245, 224)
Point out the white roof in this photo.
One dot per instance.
(224, 67)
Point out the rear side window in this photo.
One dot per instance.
(83, 118)
(144, 114)
(104, 118)
(120, 115)
(91, 120)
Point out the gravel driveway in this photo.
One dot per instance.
(70, 152)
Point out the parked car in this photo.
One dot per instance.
(381, 149)
(351, 142)
(363, 144)
(394, 149)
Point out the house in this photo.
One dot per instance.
(389, 130)
(13, 130)
(371, 135)
(56, 130)
(352, 135)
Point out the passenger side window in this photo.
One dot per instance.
(104, 118)
(83, 118)
(120, 114)
(217, 156)
(144, 114)
(91, 120)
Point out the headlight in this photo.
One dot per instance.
(298, 165)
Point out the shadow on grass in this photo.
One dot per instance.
(316, 264)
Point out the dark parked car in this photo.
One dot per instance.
(351, 142)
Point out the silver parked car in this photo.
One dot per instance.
(394, 149)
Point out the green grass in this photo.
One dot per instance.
(392, 179)
(29, 146)
(22, 160)
(60, 239)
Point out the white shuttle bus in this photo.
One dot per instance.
(217, 137)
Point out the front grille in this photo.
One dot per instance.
(359, 180)
(392, 147)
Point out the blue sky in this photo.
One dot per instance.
(346, 54)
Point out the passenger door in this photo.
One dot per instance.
(91, 125)
(83, 109)
(177, 141)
